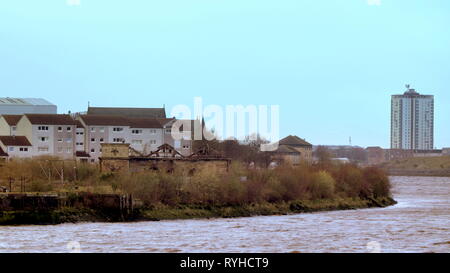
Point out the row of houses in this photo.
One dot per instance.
(81, 136)
(31, 128)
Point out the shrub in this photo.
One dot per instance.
(322, 185)
(378, 181)
(350, 181)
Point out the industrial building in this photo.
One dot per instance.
(20, 106)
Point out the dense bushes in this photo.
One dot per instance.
(209, 187)
(241, 186)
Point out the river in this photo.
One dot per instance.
(420, 222)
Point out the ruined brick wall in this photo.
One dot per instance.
(114, 165)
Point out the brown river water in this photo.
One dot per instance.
(420, 222)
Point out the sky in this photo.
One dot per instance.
(330, 65)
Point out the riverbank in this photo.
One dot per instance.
(263, 209)
(412, 172)
(419, 166)
(164, 212)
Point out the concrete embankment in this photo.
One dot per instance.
(68, 207)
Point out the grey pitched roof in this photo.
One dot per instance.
(96, 120)
(90, 120)
(294, 141)
(128, 112)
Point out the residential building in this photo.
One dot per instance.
(49, 134)
(294, 150)
(412, 121)
(15, 146)
(143, 134)
(184, 145)
(19, 106)
(81, 136)
(288, 154)
(8, 124)
(80, 140)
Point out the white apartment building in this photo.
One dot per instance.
(102, 129)
(143, 134)
(412, 121)
(81, 139)
(49, 134)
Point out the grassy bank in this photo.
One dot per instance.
(165, 212)
(207, 192)
(419, 166)
(262, 209)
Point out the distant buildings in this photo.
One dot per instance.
(378, 155)
(412, 121)
(294, 150)
(19, 106)
(81, 136)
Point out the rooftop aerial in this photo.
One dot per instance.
(410, 91)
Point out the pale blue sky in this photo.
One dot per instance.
(331, 65)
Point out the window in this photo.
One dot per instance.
(137, 141)
(92, 150)
(42, 149)
(59, 129)
(13, 128)
(79, 143)
(42, 128)
(136, 132)
(60, 140)
(23, 149)
(168, 131)
(69, 129)
(152, 131)
(92, 139)
(117, 129)
(11, 149)
(102, 129)
(153, 142)
(80, 133)
(102, 140)
(185, 147)
(92, 129)
(43, 139)
(118, 140)
(69, 140)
